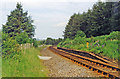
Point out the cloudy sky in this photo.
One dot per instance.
(50, 16)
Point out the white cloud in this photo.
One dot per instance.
(50, 18)
(62, 24)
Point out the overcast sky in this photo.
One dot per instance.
(50, 16)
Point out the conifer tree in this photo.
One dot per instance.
(102, 19)
(18, 21)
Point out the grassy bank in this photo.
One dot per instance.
(0, 66)
(27, 65)
(106, 45)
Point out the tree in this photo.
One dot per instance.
(80, 34)
(22, 38)
(102, 19)
(49, 41)
(115, 18)
(35, 44)
(18, 21)
(72, 27)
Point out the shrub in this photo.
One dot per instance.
(114, 35)
(35, 43)
(22, 38)
(80, 34)
(9, 46)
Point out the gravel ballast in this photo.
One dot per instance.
(59, 66)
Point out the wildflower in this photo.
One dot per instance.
(87, 44)
(95, 44)
(97, 41)
(102, 45)
(118, 49)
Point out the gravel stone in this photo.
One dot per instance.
(62, 67)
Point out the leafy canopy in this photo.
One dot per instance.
(102, 19)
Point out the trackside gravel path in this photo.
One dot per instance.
(62, 67)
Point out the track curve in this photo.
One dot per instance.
(91, 61)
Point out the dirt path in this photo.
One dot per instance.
(62, 67)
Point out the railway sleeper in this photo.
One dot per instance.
(83, 53)
(96, 64)
(99, 71)
(93, 69)
(99, 64)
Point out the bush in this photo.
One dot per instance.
(114, 35)
(22, 38)
(35, 43)
(79, 40)
(80, 34)
(9, 46)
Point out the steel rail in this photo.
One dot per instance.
(95, 65)
(103, 62)
(91, 54)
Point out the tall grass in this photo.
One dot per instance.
(0, 66)
(106, 45)
(27, 65)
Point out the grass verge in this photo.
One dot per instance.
(28, 65)
(105, 45)
(0, 67)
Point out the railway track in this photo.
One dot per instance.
(89, 60)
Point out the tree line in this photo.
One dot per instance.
(18, 29)
(50, 41)
(102, 19)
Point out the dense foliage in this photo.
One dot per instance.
(80, 34)
(50, 41)
(102, 19)
(9, 46)
(106, 45)
(17, 34)
(17, 30)
(22, 38)
(35, 44)
(18, 21)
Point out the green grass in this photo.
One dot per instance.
(0, 59)
(105, 46)
(0, 67)
(27, 65)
